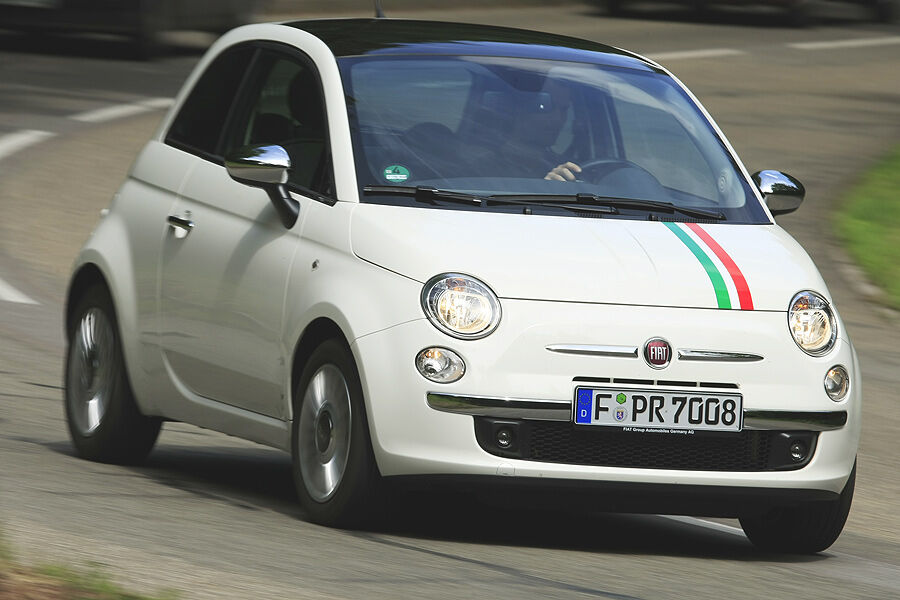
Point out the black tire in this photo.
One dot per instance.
(104, 421)
(330, 417)
(804, 529)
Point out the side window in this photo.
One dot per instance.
(200, 121)
(425, 84)
(285, 106)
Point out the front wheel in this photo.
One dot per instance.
(334, 471)
(804, 529)
(104, 421)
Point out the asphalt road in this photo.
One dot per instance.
(215, 517)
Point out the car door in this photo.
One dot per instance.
(226, 259)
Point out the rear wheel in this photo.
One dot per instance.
(804, 529)
(104, 421)
(334, 471)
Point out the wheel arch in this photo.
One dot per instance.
(87, 275)
(316, 332)
(98, 265)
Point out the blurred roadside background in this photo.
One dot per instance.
(146, 21)
(215, 517)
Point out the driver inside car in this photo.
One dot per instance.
(537, 120)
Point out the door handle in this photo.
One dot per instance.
(182, 223)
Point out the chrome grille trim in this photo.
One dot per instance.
(561, 410)
(825, 420)
(512, 408)
(594, 350)
(717, 356)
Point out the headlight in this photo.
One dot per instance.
(461, 306)
(812, 323)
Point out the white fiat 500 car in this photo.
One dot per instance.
(470, 255)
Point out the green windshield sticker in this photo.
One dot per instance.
(396, 173)
(715, 277)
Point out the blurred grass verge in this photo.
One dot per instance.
(868, 221)
(59, 583)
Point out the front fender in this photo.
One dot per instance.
(110, 250)
(328, 281)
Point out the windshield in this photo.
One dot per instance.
(500, 125)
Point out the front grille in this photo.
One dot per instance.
(565, 443)
(562, 443)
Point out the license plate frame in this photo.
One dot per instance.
(658, 410)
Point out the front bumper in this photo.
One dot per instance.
(561, 410)
(423, 428)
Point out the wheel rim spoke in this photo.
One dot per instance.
(323, 440)
(91, 371)
(93, 412)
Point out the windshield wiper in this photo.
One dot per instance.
(429, 194)
(591, 203)
(615, 202)
(424, 194)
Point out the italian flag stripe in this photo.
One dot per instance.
(740, 283)
(712, 271)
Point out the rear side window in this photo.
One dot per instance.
(201, 120)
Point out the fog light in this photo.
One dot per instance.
(440, 365)
(798, 451)
(837, 383)
(504, 438)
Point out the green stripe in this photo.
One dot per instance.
(714, 276)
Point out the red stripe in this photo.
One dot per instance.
(740, 283)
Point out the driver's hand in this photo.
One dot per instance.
(564, 172)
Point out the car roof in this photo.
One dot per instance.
(364, 37)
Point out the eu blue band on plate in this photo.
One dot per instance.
(583, 406)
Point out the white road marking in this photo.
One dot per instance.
(855, 43)
(689, 54)
(159, 103)
(13, 142)
(118, 111)
(707, 524)
(9, 145)
(10, 294)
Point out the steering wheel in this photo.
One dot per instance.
(596, 171)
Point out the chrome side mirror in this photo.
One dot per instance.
(783, 194)
(265, 167)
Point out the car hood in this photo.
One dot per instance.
(612, 261)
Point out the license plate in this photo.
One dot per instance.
(639, 410)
